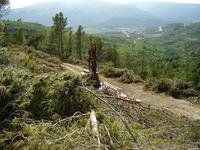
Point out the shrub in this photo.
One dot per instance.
(110, 71)
(4, 56)
(5, 96)
(198, 86)
(183, 89)
(183, 85)
(163, 85)
(16, 79)
(127, 77)
(190, 93)
(30, 63)
(59, 94)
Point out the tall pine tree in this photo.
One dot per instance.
(20, 38)
(79, 35)
(60, 23)
(69, 43)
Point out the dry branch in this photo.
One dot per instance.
(117, 113)
(62, 138)
(74, 117)
(18, 137)
(111, 141)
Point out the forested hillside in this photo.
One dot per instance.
(159, 59)
(47, 103)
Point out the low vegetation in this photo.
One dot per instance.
(124, 75)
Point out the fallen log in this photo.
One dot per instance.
(94, 125)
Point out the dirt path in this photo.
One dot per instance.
(177, 106)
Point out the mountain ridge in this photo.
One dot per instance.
(107, 14)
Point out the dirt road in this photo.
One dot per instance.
(177, 106)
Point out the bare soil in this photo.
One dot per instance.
(179, 107)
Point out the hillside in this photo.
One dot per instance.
(174, 12)
(64, 88)
(176, 35)
(80, 12)
(109, 15)
(29, 27)
(45, 106)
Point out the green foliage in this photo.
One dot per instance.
(29, 28)
(79, 39)
(63, 96)
(163, 85)
(36, 40)
(30, 63)
(183, 90)
(110, 71)
(5, 96)
(127, 76)
(59, 25)
(16, 79)
(69, 42)
(4, 56)
(20, 37)
(177, 89)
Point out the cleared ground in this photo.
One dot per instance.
(177, 106)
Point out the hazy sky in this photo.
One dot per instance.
(22, 3)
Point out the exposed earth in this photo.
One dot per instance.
(179, 107)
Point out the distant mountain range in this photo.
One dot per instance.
(97, 13)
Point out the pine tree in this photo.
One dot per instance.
(100, 52)
(69, 43)
(79, 35)
(60, 23)
(2, 26)
(20, 38)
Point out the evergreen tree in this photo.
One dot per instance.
(60, 23)
(51, 42)
(2, 28)
(100, 52)
(69, 43)
(20, 38)
(35, 40)
(111, 55)
(143, 54)
(79, 35)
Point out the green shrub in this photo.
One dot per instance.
(16, 79)
(183, 85)
(183, 89)
(5, 96)
(30, 63)
(127, 77)
(59, 94)
(198, 86)
(4, 56)
(179, 93)
(110, 71)
(190, 93)
(163, 85)
(176, 93)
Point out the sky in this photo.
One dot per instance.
(23, 3)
